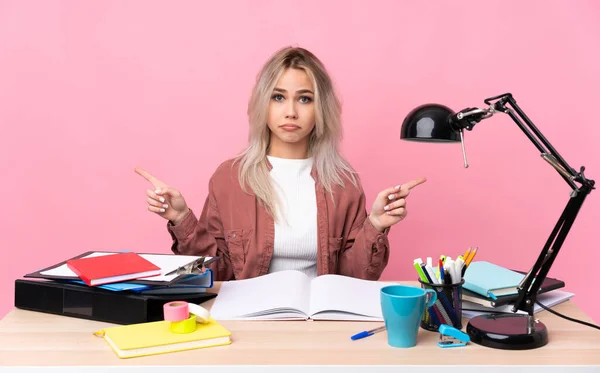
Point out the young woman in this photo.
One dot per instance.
(289, 201)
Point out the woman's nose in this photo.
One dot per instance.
(291, 111)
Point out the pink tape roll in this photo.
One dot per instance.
(176, 311)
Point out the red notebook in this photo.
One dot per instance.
(111, 268)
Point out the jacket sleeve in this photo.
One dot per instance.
(365, 252)
(203, 237)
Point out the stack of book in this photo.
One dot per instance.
(490, 288)
(133, 272)
(117, 287)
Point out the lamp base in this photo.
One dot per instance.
(507, 332)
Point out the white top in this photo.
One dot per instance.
(296, 225)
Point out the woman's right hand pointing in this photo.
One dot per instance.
(164, 200)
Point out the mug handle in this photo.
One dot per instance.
(432, 297)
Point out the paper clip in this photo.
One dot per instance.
(452, 337)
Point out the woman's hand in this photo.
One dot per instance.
(390, 205)
(164, 200)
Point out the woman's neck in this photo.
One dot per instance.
(281, 149)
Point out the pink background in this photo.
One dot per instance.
(90, 90)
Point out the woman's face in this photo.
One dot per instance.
(291, 111)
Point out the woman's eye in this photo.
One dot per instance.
(305, 99)
(277, 97)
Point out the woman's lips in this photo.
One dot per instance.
(289, 127)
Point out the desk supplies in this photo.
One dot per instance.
(452, 337)
(291, 295)
(106, 269)
(184, 326)
(549, 299)
(44, 340)
(94, 303)
(469, 259)
(548, 284)
(188, 284)
(176, 311)
(367, 333)
(183, 284)
(440, 124)
(166, 262)
(447, 309)
(448, 287)
(156, 338)
(491, 280)
(180, 310)
(117, 286)
(467, 253)
(183, 316)
(195, 267)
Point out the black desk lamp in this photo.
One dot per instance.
(437, 123)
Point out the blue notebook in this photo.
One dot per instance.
(491, 280)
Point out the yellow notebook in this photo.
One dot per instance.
(156, 338)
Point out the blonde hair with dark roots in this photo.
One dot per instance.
(324, 139)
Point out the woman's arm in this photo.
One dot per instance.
(365, 251)
(203, 237)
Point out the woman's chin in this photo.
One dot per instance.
(291, 138)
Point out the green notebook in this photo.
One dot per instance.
(491, 280)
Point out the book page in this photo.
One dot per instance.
(335, 297)
(283, 294)
(166, 263)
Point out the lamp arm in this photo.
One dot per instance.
(548, 152)
(531, 283)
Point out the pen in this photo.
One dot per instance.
(429, 280)
(459, 264)
(449, 267)
(447, 279)
(428, 270)
(367, 333)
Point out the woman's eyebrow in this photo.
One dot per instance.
(281, 90)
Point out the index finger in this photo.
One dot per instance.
(146, 175)
(413, 183)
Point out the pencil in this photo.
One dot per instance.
(467, 254)
(471, 257)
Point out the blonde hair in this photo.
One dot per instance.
(324, 139)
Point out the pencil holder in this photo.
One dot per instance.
(447, 309)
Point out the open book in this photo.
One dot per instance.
(289, 295)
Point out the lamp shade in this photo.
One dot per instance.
(429, 123)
